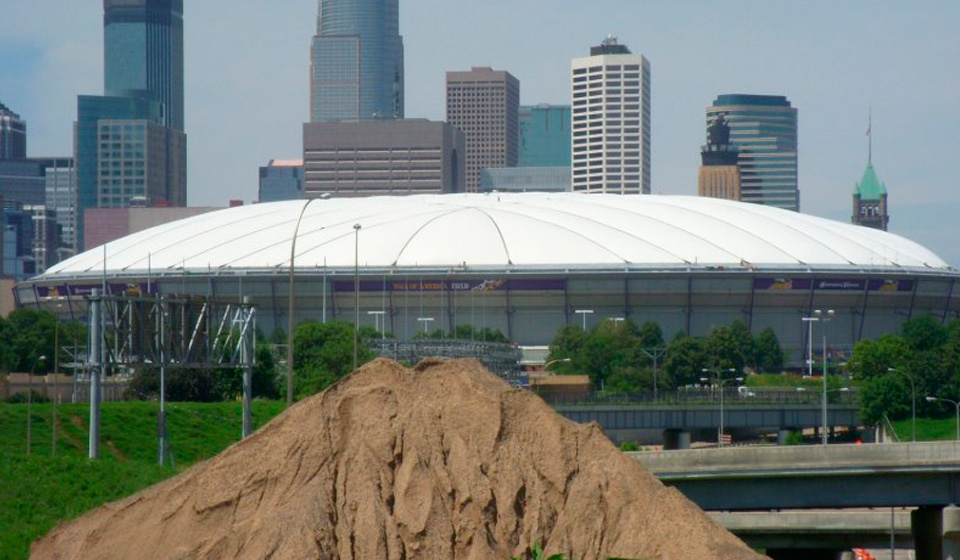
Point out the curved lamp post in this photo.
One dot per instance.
(956, 404)
(290, 309)
(913, 399)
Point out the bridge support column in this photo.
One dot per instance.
(676, 439)
(927, 525)
(951, 533)
(783, 435)
(803, 554)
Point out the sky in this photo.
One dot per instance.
(247, 83)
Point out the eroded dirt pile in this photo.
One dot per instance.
(441, 461)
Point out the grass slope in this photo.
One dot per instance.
(40, 491)
(928, 429)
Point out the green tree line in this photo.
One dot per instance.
(618, 355)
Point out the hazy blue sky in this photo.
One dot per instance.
(247, 81)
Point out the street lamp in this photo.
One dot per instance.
(913, 399)
(33, 369)
(290, 300)
(720, 383)
(654, 354)
(956, 404)
(818, 316)
(376, 321)
(356, 288)
(426, 322)
(584, 313)
(551, 362)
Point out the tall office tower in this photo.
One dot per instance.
(611, 120)
(484, 104)
(129, 145)
(143, 53)
(13, 134)
(281, 179)
(764, 130)
(544, 136)
(61, 196)
(356, 61)
(391, 157)
(719, 175)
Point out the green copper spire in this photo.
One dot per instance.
(869, 187)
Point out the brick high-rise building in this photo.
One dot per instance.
(484, 104)
(719, 175)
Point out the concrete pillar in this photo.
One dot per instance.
(783, 434)
(676, 439)
(927, 525)
(803, 554)
(951, 533)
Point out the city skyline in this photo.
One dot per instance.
(815, 54)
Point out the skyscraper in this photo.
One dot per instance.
(611, 120)
(719, 175)
(143, 53)
(544, 136)
(13, 134)
(281, 179)
(130, 146)
(484, 103)
(356, 61)
(763, 128)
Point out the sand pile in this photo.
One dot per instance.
(442, 461)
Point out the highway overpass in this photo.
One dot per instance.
(925, 476)
(678, 420)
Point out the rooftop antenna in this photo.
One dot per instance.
(870, 135)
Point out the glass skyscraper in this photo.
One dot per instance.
(143, 53)
(356, 61)
(544, 136)
(129, 144)
(763, 128)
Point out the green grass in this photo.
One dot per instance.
(40, 491)
(928, 429)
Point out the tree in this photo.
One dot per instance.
(767, 354)
(323, 354)
(873, 358)
(886, 394)
(724, 350)
(650, 335)
(27, 335)
(610, 346)
(744, 341)
(567, 344)
(686, 358)
(925, 333)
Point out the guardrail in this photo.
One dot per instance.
(732, 396)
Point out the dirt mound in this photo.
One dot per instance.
(441, 461)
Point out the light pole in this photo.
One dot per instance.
(583, 313)
(654, 354)
(551, 362)
(290, 300)
(33, 369)
(376, 321)
(827, 319)
(426, 322)
(956, 404)
(356, 289)
(913, 400)
(720, 383)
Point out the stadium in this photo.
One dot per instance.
(526, 264)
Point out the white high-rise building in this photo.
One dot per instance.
(611, 120)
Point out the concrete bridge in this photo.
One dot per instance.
(925, 476)
(677, 421)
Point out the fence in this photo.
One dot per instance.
(64, 388)
(732, 396)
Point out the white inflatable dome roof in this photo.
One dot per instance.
(505, 231)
